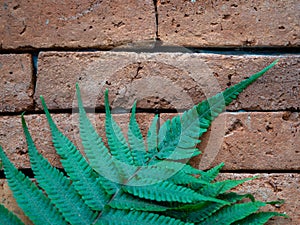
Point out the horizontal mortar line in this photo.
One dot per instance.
(235, 50)
(262, 171)
(29, 173)
(138, 110)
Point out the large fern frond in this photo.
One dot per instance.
(32, 201)
(175, 136)
(57, 187)
(133, 182)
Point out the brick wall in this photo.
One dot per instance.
(169, 55)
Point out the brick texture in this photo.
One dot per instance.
(229, 23)
(14, 144)
(251, 141)
(70, 24)
(244, 141)
(165, 80)
(16, 87)
(268, 187)
(273, 187)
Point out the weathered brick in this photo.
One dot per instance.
(13, 141)
(229, 23)
(16, 87)
(165, 80)
(252, 141)
(268, 187)
(70, 24)
(273, 187)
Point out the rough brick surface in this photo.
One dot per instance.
(165, 80)
(229, 23)
(251, 141)
(16, 88)
(13, 141)
(273, 187)
(268, 187)
(70, 24)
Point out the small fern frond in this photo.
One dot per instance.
(117, 143)
(212, 173)
(152, 137)
(166, 191)
(126, 217)
(57, 186)
(201, 211)
(97, 153)
(127, 201)
(33, 202)
(233, 213)
(212, 107)
(221, 187)
(259, 218)
(172, 144)
(136, 140)
(8, 218)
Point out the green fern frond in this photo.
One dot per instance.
(166, 191)
(136, 140)
(212, 173)
(258, 218)
(201, 211)
(126, 201)
(33, 202)
(221, 187)
(57, 187)
(83, 177)
(175, 135)
(135, 182)
(8, 218)
(98, 155)
(233, 213)
(152, 137)
(117, 143)
(126, 217)
(212, 107)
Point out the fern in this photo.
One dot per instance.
(7, 217)
(135, 181)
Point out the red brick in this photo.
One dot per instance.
(273, 187)
(70, 24)
(165, 80)
(229, 23)
(13, 141)
(16, 87)
(252, 141)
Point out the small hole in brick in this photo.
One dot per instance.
(281, 28)
(226, 17)
(10, 72)
(16, 7)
